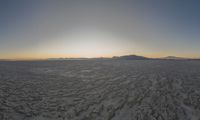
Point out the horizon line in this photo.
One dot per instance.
(48, 58)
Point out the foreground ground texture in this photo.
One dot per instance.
(100, 90)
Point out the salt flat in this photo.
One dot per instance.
(100, 90)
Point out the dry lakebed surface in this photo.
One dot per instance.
(100, 90)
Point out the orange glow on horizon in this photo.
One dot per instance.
(41, 56)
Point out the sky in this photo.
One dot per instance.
(37, 29)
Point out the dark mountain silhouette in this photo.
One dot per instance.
(130, 57)
(127, 57)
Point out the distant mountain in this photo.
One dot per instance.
(126, 57)
(173, 58)
(130, 57)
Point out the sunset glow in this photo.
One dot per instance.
(85, 28)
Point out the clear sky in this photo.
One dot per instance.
(32, 29)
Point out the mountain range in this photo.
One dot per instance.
(124, 57)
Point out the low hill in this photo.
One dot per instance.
(130, 57)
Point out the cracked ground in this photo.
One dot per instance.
(100, 90)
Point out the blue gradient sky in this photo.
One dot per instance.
(32, 29)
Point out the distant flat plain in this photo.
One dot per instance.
(100, 90)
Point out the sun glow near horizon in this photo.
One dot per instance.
(87, 43)
(87, 28)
